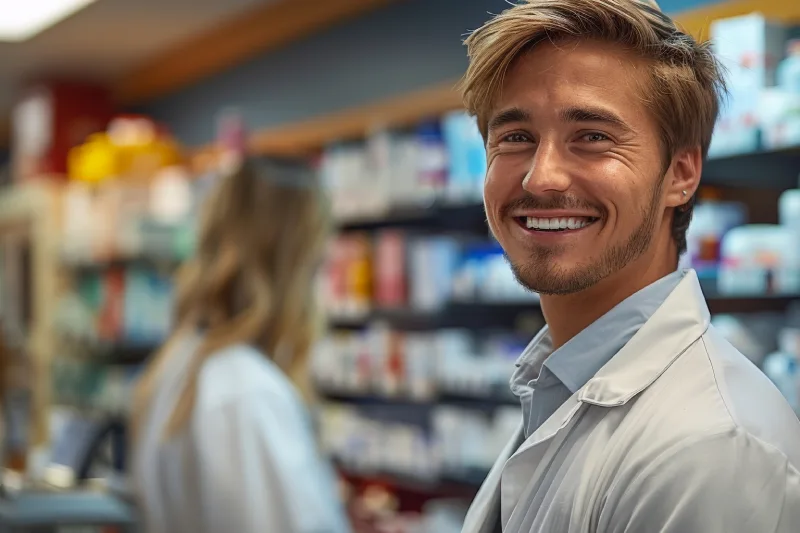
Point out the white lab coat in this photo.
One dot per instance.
(247, 461)
(678, 433)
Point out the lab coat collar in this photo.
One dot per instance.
(676, 324)
(679, 322)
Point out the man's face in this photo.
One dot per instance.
(574, 185)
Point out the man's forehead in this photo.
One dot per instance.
(555, 72)
(576, 56)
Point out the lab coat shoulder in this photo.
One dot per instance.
(728, 482)
(718, 436)
(752, 401)
(255, 452)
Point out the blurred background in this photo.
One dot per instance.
(116, 116)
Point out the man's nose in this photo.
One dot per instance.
(547, 172)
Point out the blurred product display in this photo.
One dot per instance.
(417, 365)
(769, 340)
(442, 161)
(763, 111)
(396, 269)
(440, 444)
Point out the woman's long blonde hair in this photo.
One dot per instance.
(251, 280)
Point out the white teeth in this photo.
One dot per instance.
(557, 223)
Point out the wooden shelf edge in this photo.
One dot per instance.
(698, 21)
(311, 136)
(256, 31)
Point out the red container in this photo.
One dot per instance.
(49, 120)
(390, 269)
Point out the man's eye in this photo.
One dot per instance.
(516, 138)
(595, 137)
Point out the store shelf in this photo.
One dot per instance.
(501, 315)
(449, 485)
(775, 169)
(128, 354)
(484, 402)
(122, 353)
(308, 137)
(153, 261)
(743, 303)
(749, 304)
(526, 316)
(464, 217)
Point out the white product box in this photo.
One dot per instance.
(750, 48)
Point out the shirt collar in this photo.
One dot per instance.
(676, 325)
(577, 361)
(530, 362)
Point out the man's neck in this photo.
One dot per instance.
(568, 315)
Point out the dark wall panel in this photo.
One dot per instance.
(407, 46)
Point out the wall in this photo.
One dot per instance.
(407, 46)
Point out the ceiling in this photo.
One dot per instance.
(110, 38)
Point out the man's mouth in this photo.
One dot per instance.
(556, 224)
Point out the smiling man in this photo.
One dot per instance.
(638, 417)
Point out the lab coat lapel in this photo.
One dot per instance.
(534, 455)
(485, 508)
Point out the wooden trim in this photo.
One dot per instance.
(35, 206)
(255, 32)
(310, 136)
(698, 21)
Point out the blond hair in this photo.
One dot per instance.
(685, 82)
(251, 280)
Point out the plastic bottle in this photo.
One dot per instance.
(432, 166)
(788, 73)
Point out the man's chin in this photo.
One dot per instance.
(554, 280)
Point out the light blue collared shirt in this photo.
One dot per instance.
(566, 370)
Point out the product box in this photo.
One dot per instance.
(467, 157)
(750, 48)
(737, 131)
(390, 269)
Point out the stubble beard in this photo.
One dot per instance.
(542, 274)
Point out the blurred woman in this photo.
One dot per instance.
(222, 440)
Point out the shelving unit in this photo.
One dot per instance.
(436, 216)
(112, 353)
(460, 485)
(475, 316)
(493, 315)
(482, 402)
(777, 169)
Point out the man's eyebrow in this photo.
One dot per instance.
(591, 114)
(508, 116)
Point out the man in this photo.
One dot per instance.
(638, 417)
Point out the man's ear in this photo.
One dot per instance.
(683, 176)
